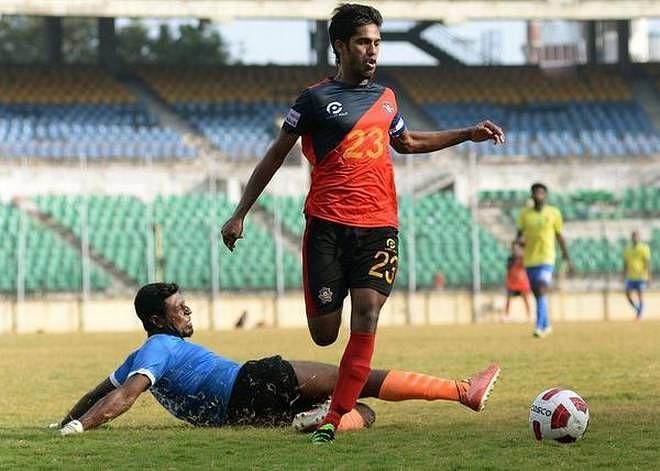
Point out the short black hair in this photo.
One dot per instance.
(347, 18)
(150, 300)
(539, 185)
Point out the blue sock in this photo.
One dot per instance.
(639, 308)
(540, 304)
(542, 313)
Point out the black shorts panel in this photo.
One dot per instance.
(324, 261)
(265, 394)
(338, 257)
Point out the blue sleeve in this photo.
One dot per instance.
(398, 126)
(151, 360)
(300, 117)
(118, 377)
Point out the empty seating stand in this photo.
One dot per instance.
(68, 112)
(50, 264)
(589, 113)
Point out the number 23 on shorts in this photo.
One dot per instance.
(385, 266)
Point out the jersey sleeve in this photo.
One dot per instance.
(559, 222)
(118, 376)
(398, 126)
(152, 360)
(647, 253)
(300, 117)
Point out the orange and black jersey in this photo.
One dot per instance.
(346, 132)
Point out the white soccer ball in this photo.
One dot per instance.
(559, 414)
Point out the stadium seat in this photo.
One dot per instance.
(50, 264)
(590, 113)
(238, 108)
(68, 112)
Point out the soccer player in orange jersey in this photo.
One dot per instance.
(517, 283)
(347, 124)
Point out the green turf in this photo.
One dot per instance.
(613, 366)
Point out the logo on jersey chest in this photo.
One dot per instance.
(335, 109)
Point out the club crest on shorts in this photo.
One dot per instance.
(391, 244)
(325, 295)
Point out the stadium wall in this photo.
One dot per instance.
(288, 311)
(495, 173)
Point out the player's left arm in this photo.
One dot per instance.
(564, 253)
(419, 142)
(558, 225)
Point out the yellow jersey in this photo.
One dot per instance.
(637, 258)
(539, 228)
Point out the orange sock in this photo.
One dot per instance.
(404, 385)
(351, 421)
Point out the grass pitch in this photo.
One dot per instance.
(614, 366)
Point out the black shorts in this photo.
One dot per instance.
(337, 258)
(265, 394)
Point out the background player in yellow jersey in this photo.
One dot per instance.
(636, 271)
(539, 226)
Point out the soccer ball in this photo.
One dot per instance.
(559, 414)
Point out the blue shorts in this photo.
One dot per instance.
(638, 285)
(540, 274)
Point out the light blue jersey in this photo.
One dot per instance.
(190, 381)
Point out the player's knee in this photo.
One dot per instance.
(323, 339)
(324, 329)
(540, 289)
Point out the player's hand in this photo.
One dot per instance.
(231, 231)
(485, 131)
(571, 268)
(71, 428)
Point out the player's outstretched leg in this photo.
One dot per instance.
(472, 392)
(388, 385)
(479, 387)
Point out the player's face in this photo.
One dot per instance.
(539, 196)
(635, 237)
(177, 316)
(361, 54)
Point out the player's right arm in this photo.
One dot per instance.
(519, 226)
(87, 401)
(116, 402)
(519, 237)
(262, 174)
